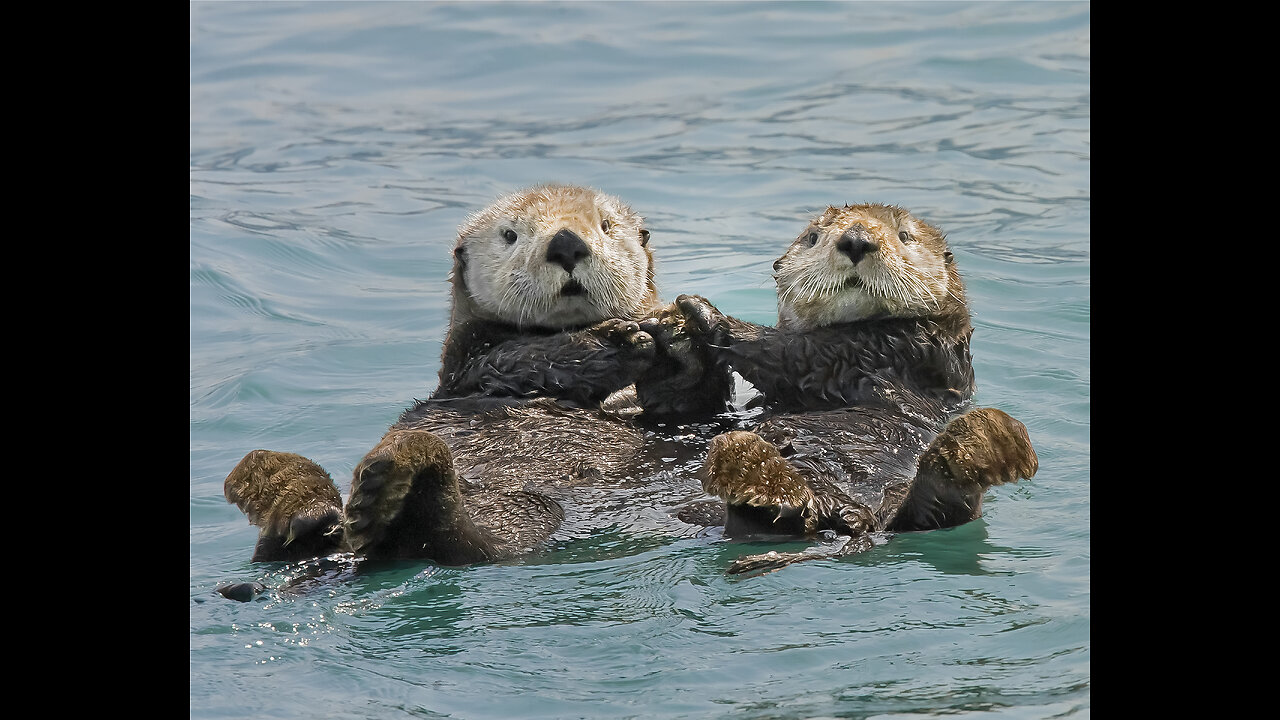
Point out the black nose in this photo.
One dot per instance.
(856, 243)
(567, 250)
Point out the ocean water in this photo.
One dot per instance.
(335, 148)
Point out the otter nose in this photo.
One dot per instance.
(856, 243)
(567, 250)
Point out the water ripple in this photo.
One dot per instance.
(336, 147)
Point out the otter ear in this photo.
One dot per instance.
(947, 257)
(777, 264)
(644, 237)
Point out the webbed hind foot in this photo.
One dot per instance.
(764, 494)
(241, 592)
(292, 500)
(406, 503)
(979, 449)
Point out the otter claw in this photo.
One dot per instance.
(665, 330)
(624, 334)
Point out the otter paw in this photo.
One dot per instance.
(982, 447)
(625, 335)
(765, 495)
(666, 327)
(701, 316)
(675, 344)
(745, 469)
(293, 502)
(403, 488)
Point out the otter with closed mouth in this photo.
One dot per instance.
(868, 381)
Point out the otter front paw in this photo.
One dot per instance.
(624, 335)
(702, 318)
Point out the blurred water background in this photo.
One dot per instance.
(335, 148)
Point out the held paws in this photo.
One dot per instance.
(666, 327)
(675, 343)
(690, 319)
(686, 377)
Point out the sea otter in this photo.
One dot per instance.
(554, 295)
(554, 310)
(868, 378)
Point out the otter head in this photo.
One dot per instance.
(864, 261)
(554, 257)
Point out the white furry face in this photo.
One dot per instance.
(861, 261)
(516, 271)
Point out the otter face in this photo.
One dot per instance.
(555, 257)
(862, 261)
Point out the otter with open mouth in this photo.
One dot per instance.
(554, 310)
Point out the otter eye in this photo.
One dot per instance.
(904, 236)
(604, 225)
(509, 235)
(813, 239)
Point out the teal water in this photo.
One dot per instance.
(334, 150)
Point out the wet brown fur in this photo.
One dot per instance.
(867, 379)
(474, 473)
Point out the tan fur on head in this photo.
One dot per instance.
(501, 269)
(909, 274)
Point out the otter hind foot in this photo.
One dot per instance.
(767, 497)
(292, 500)
(406, 503)
(979, 449)
(394, 483)
(764, 494)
